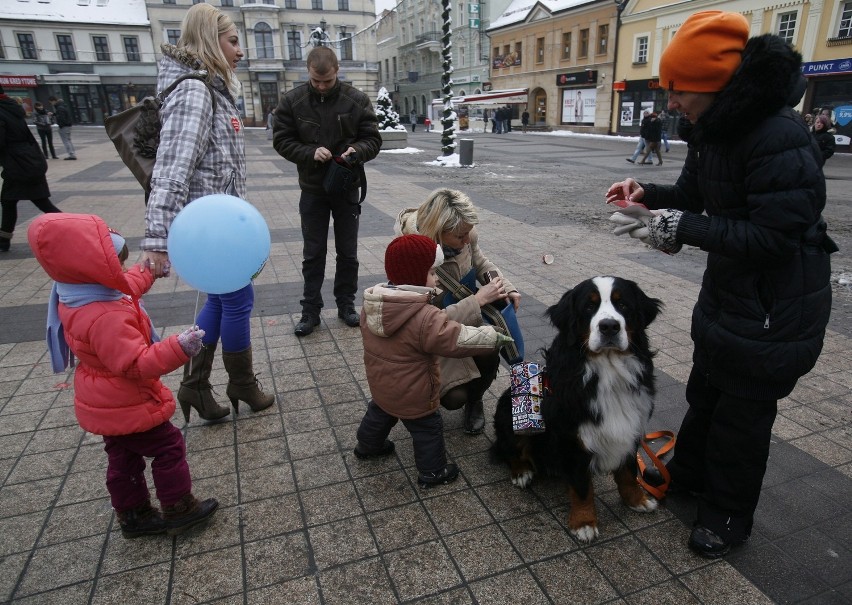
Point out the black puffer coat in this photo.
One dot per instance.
(21, 157)
(756, 172)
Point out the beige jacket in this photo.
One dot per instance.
(404, 339)
(455, 372)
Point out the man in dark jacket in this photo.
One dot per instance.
(751, 195)
(314, 123)
(63, 119)
(23, 168)
(652, 132)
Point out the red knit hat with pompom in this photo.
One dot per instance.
(408, 259)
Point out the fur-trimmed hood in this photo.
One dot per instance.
(768, 79)
(188, 61)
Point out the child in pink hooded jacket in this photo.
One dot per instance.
(95, 314)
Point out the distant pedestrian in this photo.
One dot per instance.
(525, 120)
(652, 132)
(413, 119)
(427, 124)
(824, 135)
(44, 121)
(270, 120)
(23, 168)
(666, 122)
(640, 146)
(63, 119)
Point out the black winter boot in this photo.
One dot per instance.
(5, 241)
(474, 418)
(186, 512)
(195, 388)
(144, 520)
(242, 382)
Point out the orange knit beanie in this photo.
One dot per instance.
(704, 53)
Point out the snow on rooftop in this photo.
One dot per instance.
(116, 12)
(518, 10)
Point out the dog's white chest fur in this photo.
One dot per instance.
(623, 406)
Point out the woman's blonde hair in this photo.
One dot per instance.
(199, 34)
(445, 210)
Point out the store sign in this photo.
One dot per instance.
(510, 60)
(824, 68)
(18, 81)
(474, 9)
(473, 23)
(588, 76)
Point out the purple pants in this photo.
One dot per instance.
(126, 471)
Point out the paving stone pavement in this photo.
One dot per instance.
(303, 521)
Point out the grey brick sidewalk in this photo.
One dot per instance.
(303, 521)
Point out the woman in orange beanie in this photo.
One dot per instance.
(760, 319)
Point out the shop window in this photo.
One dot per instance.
(131, 48)
(539, 50)
(787, 27)
(294, 45)
(26, 44)
(66, 47)
(845, 28)
(264, 48)
(640, 54)
(101, 46)
(566, 46)
(583, 51)
(603, 39)
(172, 36)
(345, 45)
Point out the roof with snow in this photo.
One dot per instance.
(113, 12)
(518, 10)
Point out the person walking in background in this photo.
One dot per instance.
(640, 146)
(24, 168)
(666, 123)
(270, 120)
(342, 124)
(750, 195)
(448, 217)
(824, 135)
(413, 119)
(404, 335)
(652, 133)
(43, 121)
(525, 120)
(95, 314)
(200, 156)
(62, 115)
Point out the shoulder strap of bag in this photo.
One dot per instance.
(196, 75)
(489, 311)
(658, 491)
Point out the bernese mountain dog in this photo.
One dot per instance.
(600, 397)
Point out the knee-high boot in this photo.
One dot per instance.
(195, 388)
(242, 382)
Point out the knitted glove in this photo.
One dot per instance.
(190, 340)
(626, 224)
(662, 230)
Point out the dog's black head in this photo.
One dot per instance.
(605, 314)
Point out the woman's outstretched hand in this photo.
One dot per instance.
(493, 290)
(157, 262)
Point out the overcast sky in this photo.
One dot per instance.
(384, 5)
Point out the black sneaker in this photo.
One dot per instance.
(349, 316)
(631, 161)
(363, 454)
(307, 324)
(711, 545)
(447, 475)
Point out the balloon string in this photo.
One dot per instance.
(194, 317)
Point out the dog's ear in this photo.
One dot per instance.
(563, 314)
(650, 307)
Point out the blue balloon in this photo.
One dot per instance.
(218, 243)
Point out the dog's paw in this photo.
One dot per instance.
(648, 505)
(523, 479)
(585, 534)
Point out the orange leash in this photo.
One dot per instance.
(658, 491)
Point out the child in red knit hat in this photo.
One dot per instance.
(404, 335)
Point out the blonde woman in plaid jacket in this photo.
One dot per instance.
(198, 156)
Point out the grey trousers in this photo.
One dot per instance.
(65, 135)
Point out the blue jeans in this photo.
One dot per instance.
(315, 211)
(639, 147)
(228, 316)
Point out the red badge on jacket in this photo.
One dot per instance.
(235, 122)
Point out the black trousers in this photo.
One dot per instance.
(10, 212)
(427, 434)
(721, 452)
(47, 142)
(315, 212)
(471, 392)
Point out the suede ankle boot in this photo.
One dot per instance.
(186, 512)
(474, 418)
(242, 382)
(195, 388)
(143, 520)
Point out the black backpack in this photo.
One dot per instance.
(135, 132)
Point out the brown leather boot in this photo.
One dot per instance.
(186, 512)
(242, 382)
(143, 520)
(195, 388)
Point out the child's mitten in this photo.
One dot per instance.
(190, 340)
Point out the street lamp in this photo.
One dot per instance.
(620, 5)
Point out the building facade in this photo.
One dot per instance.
(98, 55)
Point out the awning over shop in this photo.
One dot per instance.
(70, 78)
(493, 98)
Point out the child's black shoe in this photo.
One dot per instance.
(362, 453)
(144, 520)
(446, 475)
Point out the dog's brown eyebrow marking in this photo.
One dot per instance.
(595, 297)
(616, 295)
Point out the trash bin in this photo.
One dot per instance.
(466, 152)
